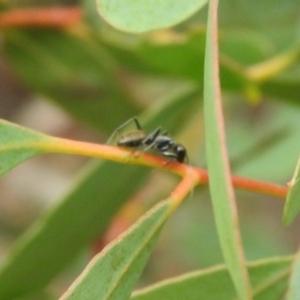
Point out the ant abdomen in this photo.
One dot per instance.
(132, 139)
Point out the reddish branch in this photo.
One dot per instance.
(249, 184)
(123, 155)
(42, 17)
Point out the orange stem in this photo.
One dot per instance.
(194, 175)
(42, 17)
(250, 184)
(260, 186)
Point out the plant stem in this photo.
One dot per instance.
(193, 174)
(42, 17)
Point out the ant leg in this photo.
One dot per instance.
(150, 139)
(137, 123)
(171, 155)
(134, 119)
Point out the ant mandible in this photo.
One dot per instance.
(155, 140)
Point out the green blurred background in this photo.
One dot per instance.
(84, 81)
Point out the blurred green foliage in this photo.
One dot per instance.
(102, 77)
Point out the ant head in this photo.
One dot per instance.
(180, 152)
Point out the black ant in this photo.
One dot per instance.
(155, 140)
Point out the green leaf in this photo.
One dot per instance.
(17, 144)
(221, 189)
(156, 58)
(292, 204)
(281, 88)
(174, 111)
(252, 14)
(268, 277)
(57, 237)
(84, 213)
(113, 273)
(293, 290)
(140, 16)
(74, 71)
(253, 145)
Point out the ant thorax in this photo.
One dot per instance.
(162, 143)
